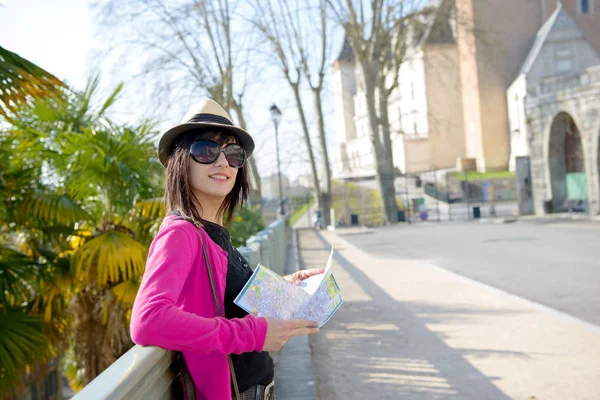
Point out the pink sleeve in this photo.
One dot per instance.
(157, 321)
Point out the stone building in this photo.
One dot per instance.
(452, 98)
(426, 121)
(554, 109)
(270, 186)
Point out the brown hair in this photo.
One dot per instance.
(179, 196)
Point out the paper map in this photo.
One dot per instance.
(267, 294)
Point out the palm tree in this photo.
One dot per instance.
(25, 339)
(105, 175)
(80, 232)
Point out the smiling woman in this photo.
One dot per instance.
(193, 272)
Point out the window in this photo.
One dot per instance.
(564, 59)
(586, 6)
(400, 127)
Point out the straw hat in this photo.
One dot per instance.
(206, 114)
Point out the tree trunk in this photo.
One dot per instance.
(327, 192)
(387, 161)
(254, 177)
(313, 165)
(384, 166)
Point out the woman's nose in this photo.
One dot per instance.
(221, 161)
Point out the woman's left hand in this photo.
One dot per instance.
(299, 276)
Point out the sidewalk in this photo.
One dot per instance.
(410, 330)
(549, 218)
(294, 376)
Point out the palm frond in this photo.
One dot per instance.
(17, 273)
(21, 80)
(111, 257)
(22, 344)
(111, 99)
(149, 208)
(125, 292)
(52, 208)
(56, 287)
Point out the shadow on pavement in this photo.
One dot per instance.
(383, 349)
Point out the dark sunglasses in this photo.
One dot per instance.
(207, 152)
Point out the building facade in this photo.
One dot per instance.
(270, 186)
(451, 102)
(560, 49)
(554, 118)
(425, 118)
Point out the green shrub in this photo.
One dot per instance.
(481, 176)
(246, 223)
(350, 198)
(301, 211)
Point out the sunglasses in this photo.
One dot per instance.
(207, 152)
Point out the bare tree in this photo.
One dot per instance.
(280, 23)
(318, 64)
(188, 47)
(379, 32)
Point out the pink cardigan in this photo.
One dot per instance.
(174, 308)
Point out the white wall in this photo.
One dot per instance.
(517, 120)
(409, 112)
(344, 87)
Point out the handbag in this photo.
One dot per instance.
(187, 383)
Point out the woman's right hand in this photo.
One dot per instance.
(280, 331)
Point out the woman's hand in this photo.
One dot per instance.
(279, 332)
(299, 276)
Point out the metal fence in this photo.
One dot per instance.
(429, 197)
(433, 211)
(458, 198)
(149, 372)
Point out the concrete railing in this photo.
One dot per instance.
(149, 372)
(268, 247)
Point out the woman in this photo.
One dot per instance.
(175, 307)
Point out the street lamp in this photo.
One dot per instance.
(276, 117)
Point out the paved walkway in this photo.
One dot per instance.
(410, 330)
(294, 376)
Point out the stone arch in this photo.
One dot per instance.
(566, 162)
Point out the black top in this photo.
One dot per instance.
(255, 368)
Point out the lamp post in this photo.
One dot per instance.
(276, 117)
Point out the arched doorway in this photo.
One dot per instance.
(567, 166)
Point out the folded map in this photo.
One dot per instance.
(267, 294)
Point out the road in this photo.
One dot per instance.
(409, 329)
(556, 264)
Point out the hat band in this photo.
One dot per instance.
(211, 118)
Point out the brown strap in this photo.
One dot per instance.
(219, 313)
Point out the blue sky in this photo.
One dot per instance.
(61, 37)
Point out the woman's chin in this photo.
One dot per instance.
(220, 192)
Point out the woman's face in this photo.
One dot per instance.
(214, 180)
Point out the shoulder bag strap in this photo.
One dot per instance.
(219, 312)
